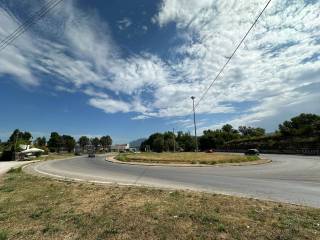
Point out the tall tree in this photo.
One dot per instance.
(40, 142)
(158, 143)
(21, 137)
(106, 141)
(303, 125)
(169, 140)
(251, 132)
(55, 142)
(95, 142)
(83, 141)
(186, 142)
(68, 142)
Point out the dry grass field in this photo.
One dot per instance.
(185, 157)
(40, 208)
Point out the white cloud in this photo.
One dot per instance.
(124, 23)
(269, 69)
(110, 105)
(144, 28)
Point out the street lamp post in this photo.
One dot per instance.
(194, 121)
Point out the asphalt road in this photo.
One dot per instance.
(289, 178)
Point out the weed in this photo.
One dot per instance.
(6, 188)
(221, 227)
(15, 170)
(3, 235)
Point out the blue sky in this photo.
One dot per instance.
(128, 68)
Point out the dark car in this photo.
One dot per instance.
(252, 152)
(91, 151)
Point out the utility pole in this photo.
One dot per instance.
(174, 141)
(194, 121)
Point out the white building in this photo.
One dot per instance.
(120, 147)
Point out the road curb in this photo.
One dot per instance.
(249, 163)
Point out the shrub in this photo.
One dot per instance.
(7, 155)
(3, 235)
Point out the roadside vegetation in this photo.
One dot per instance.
(185, 157)
(57, 145)
(39, 208)
(293, 136)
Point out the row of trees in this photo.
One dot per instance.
(68, 143)
(184, 141)
(16, 139)
(168, 141)
(56, 143)
(105, 142)
(304, 128)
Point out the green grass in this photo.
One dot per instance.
(41, 208)
(185, 157)
(3, 235)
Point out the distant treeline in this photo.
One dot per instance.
(300, 132)
(56, 143)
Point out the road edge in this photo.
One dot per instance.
(261, 161)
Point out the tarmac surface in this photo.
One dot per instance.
(289, 178)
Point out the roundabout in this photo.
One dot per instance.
(289, 178)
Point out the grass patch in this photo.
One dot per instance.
(3, 235)
(15, 170)
(41, 208)
(185, 157)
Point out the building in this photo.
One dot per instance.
(120, 147)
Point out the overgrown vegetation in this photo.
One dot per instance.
(40, 208)
(302, 131)
(187, 157)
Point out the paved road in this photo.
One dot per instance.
(294, 179)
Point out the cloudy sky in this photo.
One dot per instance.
(128, 68)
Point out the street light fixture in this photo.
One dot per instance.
(194, 121)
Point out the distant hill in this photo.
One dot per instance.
(137, 143)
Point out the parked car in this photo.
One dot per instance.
(252, 151)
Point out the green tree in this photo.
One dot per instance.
(303, 125)
(210, 139)
(55, 142)
(95, 142)
(21, 137)
(186, 142)
(106, 141)
(158, 143)
(83, 141)
(68, 142)
(169, 140)
(251, 132)
(40, 142)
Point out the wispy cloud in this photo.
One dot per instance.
(270, 69)
(124, 23)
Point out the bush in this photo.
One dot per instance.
(7, 155)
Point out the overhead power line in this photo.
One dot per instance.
(28, 23)
(229, 58)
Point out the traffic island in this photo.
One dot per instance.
(186, 159)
